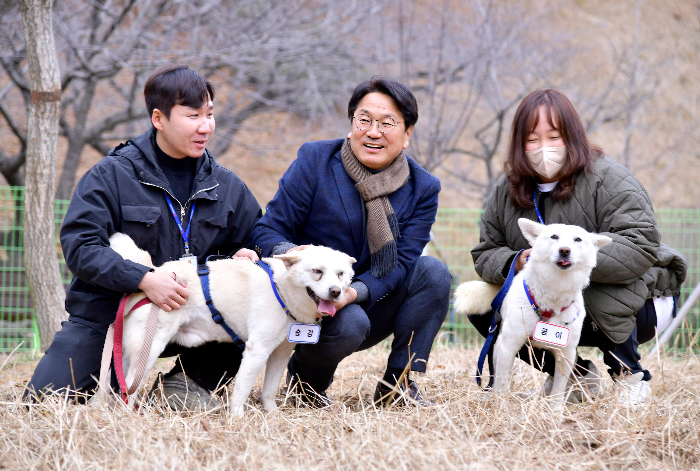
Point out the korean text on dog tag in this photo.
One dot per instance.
(191, 259)
(551, 333)
(304, 333)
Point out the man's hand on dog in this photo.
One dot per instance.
(349, 298)
(246, 254)
(163, 290)
(522, 260)
(297, 247)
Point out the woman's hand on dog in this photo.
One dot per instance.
(522, 260)
(163, 290)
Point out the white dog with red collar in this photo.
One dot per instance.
(545, 301)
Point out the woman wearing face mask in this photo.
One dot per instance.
(554, 175)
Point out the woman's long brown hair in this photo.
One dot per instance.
(562, 116)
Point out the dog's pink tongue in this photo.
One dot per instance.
(326, 307)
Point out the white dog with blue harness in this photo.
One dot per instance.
(265, 309)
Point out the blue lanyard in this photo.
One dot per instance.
(185, 232)
(537, 210)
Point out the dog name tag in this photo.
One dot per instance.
(304, 333)
(551, 333)
(191, 259)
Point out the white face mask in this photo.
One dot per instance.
(547, 161)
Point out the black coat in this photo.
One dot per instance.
(125, 192)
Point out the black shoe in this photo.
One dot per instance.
(401, 394)
(180, 393)
(303, 395)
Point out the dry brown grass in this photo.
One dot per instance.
(463, 431)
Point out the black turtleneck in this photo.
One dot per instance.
(179, 172)
(541, 202)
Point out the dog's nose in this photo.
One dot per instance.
(565, 251)
(334, 292)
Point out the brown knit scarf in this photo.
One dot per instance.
(382, 226)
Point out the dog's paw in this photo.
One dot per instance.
(269, 405)
(237, 410)
(557, 407)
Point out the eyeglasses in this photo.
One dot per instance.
(385, 125)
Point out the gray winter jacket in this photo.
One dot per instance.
(610, 201)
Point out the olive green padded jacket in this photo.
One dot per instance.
(610, 201)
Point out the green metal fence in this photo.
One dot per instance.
(455, 232)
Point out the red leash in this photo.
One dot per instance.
(118, 350)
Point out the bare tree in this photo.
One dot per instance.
(296, 57)
(262, 55)
(631, 99)
(469, 64)
(629, 86)
(40, 259)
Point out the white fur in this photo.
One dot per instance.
(242, 293)
(552, 287)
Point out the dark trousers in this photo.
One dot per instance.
(72, 362)
(591, 336)
(413, 312)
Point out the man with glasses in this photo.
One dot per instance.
(364, 196)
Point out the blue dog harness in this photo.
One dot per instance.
(268, 270)
(203, 271)
(495, 307)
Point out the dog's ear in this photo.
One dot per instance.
(289, 259)
(530, 229)
(600, 240)
(352, 260)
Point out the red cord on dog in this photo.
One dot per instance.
(118, 350)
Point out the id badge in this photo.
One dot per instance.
(304, 333)
(191, 259)
(551, 333)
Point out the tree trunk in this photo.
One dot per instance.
(76, 143)
(70, 168)
(40, 259)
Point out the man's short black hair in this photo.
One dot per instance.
(402, 96)
(176, 85)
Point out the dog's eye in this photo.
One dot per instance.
(340, 274)
(578, 239)
(555, 237)
(317, 271)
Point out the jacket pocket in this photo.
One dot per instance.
(144, 214)
(141, 223)
(213, 234)
(218, 221)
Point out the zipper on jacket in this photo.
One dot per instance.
(203, 189)
(182, 208)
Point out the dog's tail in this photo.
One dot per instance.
(474, 297)
(126, 247)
